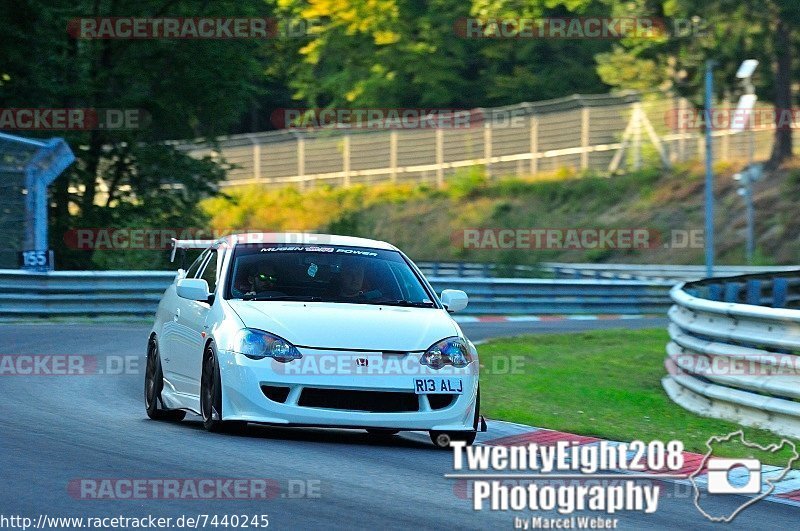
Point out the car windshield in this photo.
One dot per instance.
(322, 273)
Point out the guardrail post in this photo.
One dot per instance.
(715, 292)
(753, 292)
(780, 287)
(732, 290)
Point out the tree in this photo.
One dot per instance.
(189, 88)
(407, 53)
(727, 31)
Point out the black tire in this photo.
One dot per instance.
(211, 397)
(382, 432)
(441, 439)
(154, 384)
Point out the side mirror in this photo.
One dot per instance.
(194, 289)
(454, 300)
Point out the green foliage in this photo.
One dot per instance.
(466, 183)
(189, 88)
(362, 53)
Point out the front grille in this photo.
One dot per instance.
(275, 393)
(371, 401)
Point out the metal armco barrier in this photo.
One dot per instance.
(588, 271)
(84, 293)
(508, 296)
(665, 271)
(137, 293)
(733, 350)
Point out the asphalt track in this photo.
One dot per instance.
(58, 429)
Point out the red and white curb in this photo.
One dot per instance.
(545, 318)
(787, 490)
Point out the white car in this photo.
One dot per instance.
(299, 329)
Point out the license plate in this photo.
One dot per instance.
(438, 386)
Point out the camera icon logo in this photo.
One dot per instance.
(734, 476)
(745, 477)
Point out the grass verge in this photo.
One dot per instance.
(604, 383)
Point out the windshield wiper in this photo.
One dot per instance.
(304, 298)
(403, 302)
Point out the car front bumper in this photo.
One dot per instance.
(385, 380)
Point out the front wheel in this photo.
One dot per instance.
(441, 439)
(211, 397)
(154, 384)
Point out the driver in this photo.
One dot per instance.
(264, 278)
(352, 279)
(261, 281)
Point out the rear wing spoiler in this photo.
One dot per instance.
(188, 244)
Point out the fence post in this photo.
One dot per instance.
(637, 137)
(726, 137)
(701, 146)
(346, 159)
(585, 138)
(256, 158)
(301, 160)
(682, 110)
(534, 144)
(439, 157)
(393, 155)
(487, 148)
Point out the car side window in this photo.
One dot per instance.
(192, 271)
(209, 274)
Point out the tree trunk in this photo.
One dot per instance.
(782, 148)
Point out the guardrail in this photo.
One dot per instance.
(589, 271)
(86, 293)
(136, 293)
(733, 350)
(645, 271)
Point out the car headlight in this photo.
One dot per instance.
(257, 345)
(450, 351)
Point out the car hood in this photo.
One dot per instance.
(347, 326)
